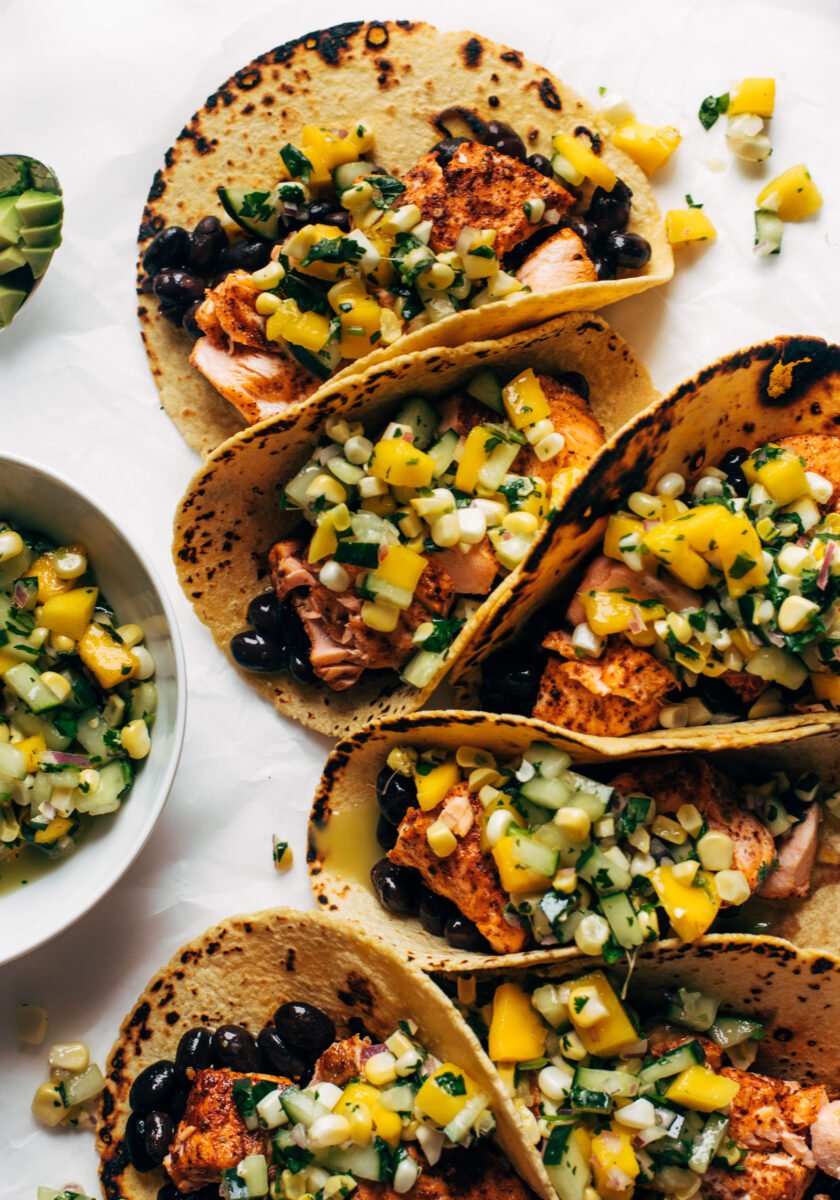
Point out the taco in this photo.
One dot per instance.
(367, 538)
(707, 1072)
(692, 594)
(461, 837)
(372, 190)
(284, 1054)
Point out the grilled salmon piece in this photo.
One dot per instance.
(258, 383)
(796, 855)
(773, 1176)
(573, 418)
(211, 1136)
(773, 1113)
(479, 1173)
(472, 574)
(621, 692)
(605, 574)
(664, 1038)
(468, 877)
(340, 1062)
(675, 781)
(822, 454)
(557, 262)
(228, 313)
(825, 1139)
(482, 188)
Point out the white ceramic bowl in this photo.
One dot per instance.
(55, 898)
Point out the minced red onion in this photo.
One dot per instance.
(776, 639)
(20, 595)
(637, 624)
(298, 1135)
(369, 1051)
(825, 568)
(58, 758)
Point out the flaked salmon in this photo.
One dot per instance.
(559, 261)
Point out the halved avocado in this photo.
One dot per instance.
(39, 208)
(42, 235)
(37, 259)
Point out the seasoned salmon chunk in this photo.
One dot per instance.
(774, 1176)
(822, 455)
(211, 1136)
(557, 262)
(468, 877)
(481, 188)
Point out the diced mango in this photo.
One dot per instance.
(576, 150)
(445, 1093)
(739, 548)
(330, 149)
(612, 612)
(688, 225)
(610, 1032)
(359, 327)
(111, 661)
(620, 525)
(753, 96)
(402, 567)
(385, 1123)
(70, 613)
(793, 195)
(309, 330)
(669, 544)
(701, 1089)
(537, 502)
(49, 583)
(473, 458)
(433, 788)
(323, 543)
(611, 1150)
(32, 747)
(700, 526)
(401, 464)
(517, 1031)
(783, 474)
(7, 661)
(304, 240)
(516, 878)
(691, 908)
(346, 291)
(56, 829)
(648, 145)
(827, 688)
(525, 401)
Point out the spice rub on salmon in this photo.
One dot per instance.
(211, 1136)
(468, 877)
(482, 188)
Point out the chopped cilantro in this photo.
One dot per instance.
(451, 1083)
(254, 205)
(712, 108)
(297, 164)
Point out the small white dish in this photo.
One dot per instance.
(64, 890)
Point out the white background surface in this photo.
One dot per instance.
(98, 89)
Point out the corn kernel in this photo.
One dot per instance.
(573, 822)
(684, 872)
(441, 839)
(668, 830)
(31, 1024)
(592, 934)
(715, 850)
(381, 1068)
(520, 522)
(69, 1056)
(268, 277)
(132, 635)
(11, 545)
(59, 685)
(48, 1105)
(796, 613)
(691, 819)
(267, 303)
(135, 739)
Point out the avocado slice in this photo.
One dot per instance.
(9, 222)
(10, 301)
(42, 235)
(10, 259)
(39, 208)
(37, 259)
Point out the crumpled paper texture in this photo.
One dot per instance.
(98, 90)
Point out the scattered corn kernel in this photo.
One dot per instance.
(135, 739)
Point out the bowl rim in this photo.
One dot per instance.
(71, 913)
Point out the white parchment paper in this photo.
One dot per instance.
(98, 89)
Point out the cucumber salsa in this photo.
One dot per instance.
(77, 695)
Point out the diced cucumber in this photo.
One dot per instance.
(462, 1123)
(12, 762)
(442, 452)
(769, 230)
(398, 1099)
(697, 1010)
(365, 1162)
(486, 389)
(533, 855)
(233, 1188)
(300, 1108)
(79, 1088)
(594, 1090)
(262, 226)
(144, 699)
(671, 1063)
(590, 787)
(547, 793)
(33, 724)
(115, 780)
(551, 1001)
(731, 1031)
(346, 174)
(383, 590)
(113, 714)
(26, 682)
(421, 669)
(421, 418)
(566, 1164)
(99, 740)
(548, 762)
(295, 489)
(605, 875)
(622, 919)
(502, 457)
(253, 1171)
(706, 1143)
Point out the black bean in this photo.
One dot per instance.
(444, 151)
(174, 314)
(170, 1192)
(540, 163)
(244, 256)
(510, 680)
(386, 833)
(606, 266)
(610, 211)
(281, 1059)
(504, 139)
(264, 613)
(630, 250)
(396, 794)
(159, 1133)
(206, 243)
(135, 1143)
(259, 652)
(307, 1028)
(732, 467)
(463, 935)
(434, 912)
(297, 642)
(397, 888)
(177, 286)
(195, 1049)
(169, 249)
(574, 380)
(178, 1102)
(189, 323)
(153, 1088)
(322, 212)
(235, 1049)
(585, 231)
